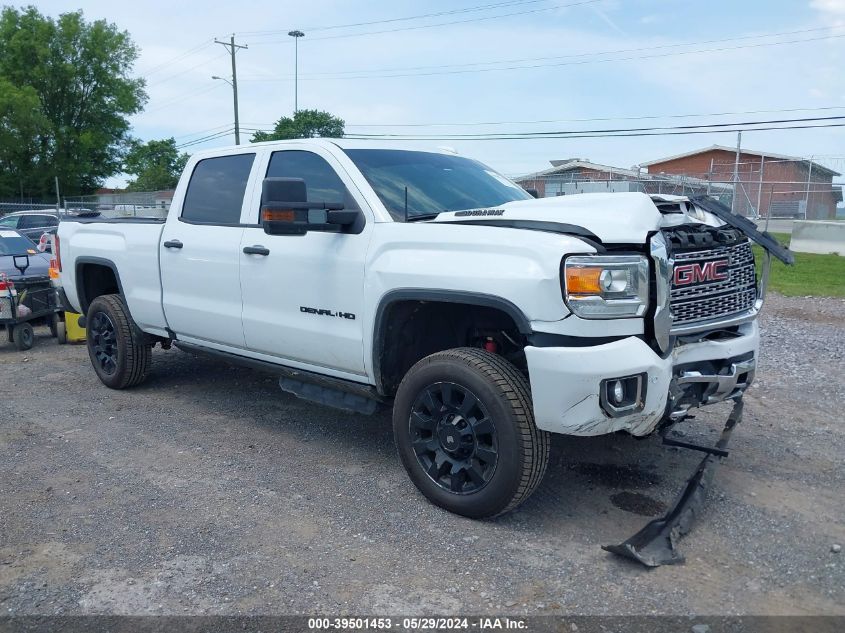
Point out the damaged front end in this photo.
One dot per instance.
(707, 293)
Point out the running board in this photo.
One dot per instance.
(329, 396)
(654, 545)
(326, 390)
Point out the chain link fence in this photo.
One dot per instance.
(150, 204)
(748, 197)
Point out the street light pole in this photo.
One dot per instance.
(296, 35)
(233, 48)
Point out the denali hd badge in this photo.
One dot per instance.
(687, 274)
(331, 313)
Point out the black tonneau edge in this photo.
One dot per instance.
(745, 225)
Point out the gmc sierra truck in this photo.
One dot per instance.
(365, 274)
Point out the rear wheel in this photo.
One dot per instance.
(24, 336)
(61, 333)
(118, 354)
(465, 432)
(53, 323)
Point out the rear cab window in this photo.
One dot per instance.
(216, 190)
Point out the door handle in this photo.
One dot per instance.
(256, 250)
(173, 244)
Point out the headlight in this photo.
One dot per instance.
(606, 286)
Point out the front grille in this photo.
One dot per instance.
(705, 298)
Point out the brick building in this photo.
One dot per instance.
(579, 175)
(783, 185)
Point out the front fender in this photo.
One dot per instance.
(518, 270)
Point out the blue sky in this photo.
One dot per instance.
(187, 104)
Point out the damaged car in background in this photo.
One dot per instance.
(366, 275)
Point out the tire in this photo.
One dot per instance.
(118, 354)
(61, 333)
(23, 336)
(445, 440)
(53, 323)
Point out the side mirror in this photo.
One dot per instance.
(533, 192)
(285, 209)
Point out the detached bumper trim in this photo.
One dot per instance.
(654, 545)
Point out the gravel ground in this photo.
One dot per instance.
(208, 490)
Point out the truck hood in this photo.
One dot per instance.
(625, 218)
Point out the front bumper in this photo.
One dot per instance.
(566, 381)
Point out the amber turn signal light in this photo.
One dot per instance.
(273, 215)
(583, 281)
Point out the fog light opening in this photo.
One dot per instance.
(623, 395)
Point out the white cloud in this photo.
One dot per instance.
(835, 7)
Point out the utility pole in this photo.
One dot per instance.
(233, 48)
(807, 194)
(296, 35)
(736, 170)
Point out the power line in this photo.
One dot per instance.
(584, 120)
(621, 118)
(392, 75)
(565, 135)
(211, 129)
(186, 70)
(182, 97)
(740, 124)
(560, 57)
(204, 139)
(165, 64)
(430, 26)
(484, 7)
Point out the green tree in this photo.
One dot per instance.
(21, 125)
(303, 124)
(156, 165)
(79, 73)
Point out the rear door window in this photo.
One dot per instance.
(216, 190)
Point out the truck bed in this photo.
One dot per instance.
(128, 245)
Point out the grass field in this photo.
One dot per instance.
(812, 275)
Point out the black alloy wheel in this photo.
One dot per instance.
(104, 342)
(454, 438)
(465, 433)
(118, 350)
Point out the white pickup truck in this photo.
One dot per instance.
(366, 274)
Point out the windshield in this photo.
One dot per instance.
(9, 220)
(12, 243)
(434, 182)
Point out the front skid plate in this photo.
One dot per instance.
(654, 545)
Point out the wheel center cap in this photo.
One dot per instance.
(454, 434)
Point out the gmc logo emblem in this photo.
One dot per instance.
(687, 274)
